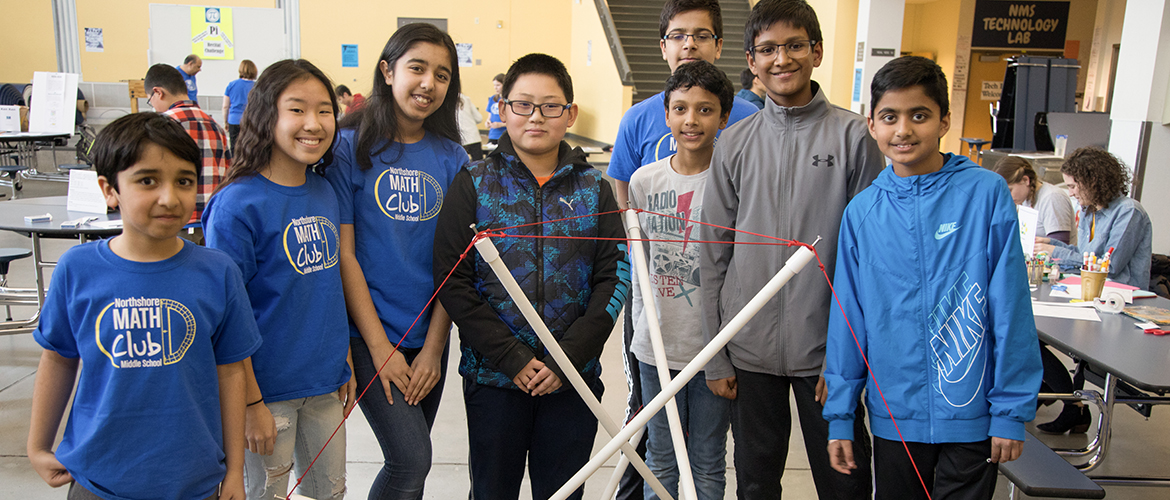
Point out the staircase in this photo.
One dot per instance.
(637, 28)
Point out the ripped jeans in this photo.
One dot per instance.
(302, 427)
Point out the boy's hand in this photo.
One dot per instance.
(46, 464)
(347, 393)
(841, 455)
(232, 487)
(724, 387)
(396, 372)
(822, 391)
(525, 376)
(426, 370)
(545, 382)
(259, 429)
(1005, 450)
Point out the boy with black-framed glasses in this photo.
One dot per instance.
(691, 30)
(520, 408)
(787, 171)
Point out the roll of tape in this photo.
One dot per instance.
(1110, 302)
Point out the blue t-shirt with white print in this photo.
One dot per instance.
(284, 239)
(393, 208)
(644, 138)
(146, 419)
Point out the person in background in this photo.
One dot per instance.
(753, 91)
(351, 101)
(191, 66)
(1109, 219)
(1057, 220)
(165, 88)
(235, 99)
(495, 124)
(469, 116)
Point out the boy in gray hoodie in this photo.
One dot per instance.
(787, 171)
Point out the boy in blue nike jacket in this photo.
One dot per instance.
(931, 276)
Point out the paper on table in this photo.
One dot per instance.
(84, 194)
(1028, 218)
(1055, 311)
(107, 224)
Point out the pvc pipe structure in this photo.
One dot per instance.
(619, 471)
(686, 479)
(489, 253)
(791, 267)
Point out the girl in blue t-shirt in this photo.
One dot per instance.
(278, 222)
(495, 124)
(395, 158)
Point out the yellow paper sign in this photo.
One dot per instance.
(211, 32)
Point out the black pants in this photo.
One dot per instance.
(630, 487)
(505, 427)
(474, 150)
(761, 423)
(951, 471)
(233, 135)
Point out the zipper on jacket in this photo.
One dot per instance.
(539, 252)
(916, 196)
(782, 295)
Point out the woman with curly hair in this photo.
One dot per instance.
(1109, 219)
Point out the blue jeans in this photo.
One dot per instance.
(506, 427)
(302, 427)
(403, 431)
(705, 419)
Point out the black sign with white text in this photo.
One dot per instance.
(1020, 25)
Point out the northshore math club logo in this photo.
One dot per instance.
(144, 332)
(408, 195)
(310, 243)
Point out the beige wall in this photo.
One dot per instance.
(524, 26)
(28, 44)
(599, 92)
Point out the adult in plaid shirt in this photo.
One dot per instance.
(168, 95)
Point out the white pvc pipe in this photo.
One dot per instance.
(616, 478)
(489, 253)
(686, 483)
(791, 267)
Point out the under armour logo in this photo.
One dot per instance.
(817, 161)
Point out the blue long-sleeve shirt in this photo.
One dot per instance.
(1123, 226)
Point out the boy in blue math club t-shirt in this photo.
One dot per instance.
(162, 327)
(930, 275)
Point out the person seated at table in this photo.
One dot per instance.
(1056, 220)
(1109, 219)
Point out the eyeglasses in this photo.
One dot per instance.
(547, 110)
(701, 37)
(799, 48)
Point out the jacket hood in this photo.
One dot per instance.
(568, 158)
(952, 164)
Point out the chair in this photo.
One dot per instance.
(8, 255)
(13, 171)
(974, 147)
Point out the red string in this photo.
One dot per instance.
(498, 233)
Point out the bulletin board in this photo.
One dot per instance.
(258, 34)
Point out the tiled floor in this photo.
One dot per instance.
(1139, 446)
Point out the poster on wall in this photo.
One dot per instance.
(349, 55)
(94, 41)
(463, 50)
(211, 32)
(991, 90)
(1020, 25)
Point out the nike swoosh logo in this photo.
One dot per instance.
(938, 235)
